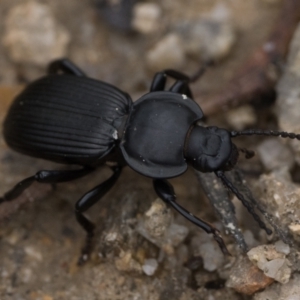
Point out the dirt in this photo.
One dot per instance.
(40, 240)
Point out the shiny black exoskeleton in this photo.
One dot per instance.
(69, 118)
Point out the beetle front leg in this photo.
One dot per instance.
(158, 82)
(45, 176)
(160, 78)
(181, 85)
(165, 191)
(66, 66)
(88, 200)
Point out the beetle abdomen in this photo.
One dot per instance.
(65, 118)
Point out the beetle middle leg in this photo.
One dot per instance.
(88, 200)
(45, 176)
(66, 66)
(166, 192)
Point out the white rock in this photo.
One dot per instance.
(167, 53)
(241, 117)
(33, 253)
(288, 291)
(158, 227)
(150, 266)
(268, 294)
(206, 247)
(272, 263)
(281, 247)
(274, 154)
(32, 35)
(282, 197)
(146, 17)
(211, 36)
(249, 238)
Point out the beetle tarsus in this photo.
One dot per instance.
(247, 204)
(166, 192)
(65, 66)
(218, 238)
(87, 201)
(88, 246)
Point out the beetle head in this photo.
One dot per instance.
(210, 149)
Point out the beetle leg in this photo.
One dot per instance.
(247, 204)
(166, 192)
(66, 66)
(158, 82)
(88, 200)
(176, 75)
(182, 87)
(45, 176)
(160, 78)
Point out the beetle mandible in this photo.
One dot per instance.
(69, 118)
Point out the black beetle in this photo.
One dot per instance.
(72, 119)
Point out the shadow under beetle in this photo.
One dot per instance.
(69, 118)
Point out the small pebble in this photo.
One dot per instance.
(26, 275)
(282, 198)
(241, 117)
(167, 53)
(249, 238)
(281, 247)
(210, 37)
(295, 228)
(127, 263)
(157, 219)
(32, 35)
(246, 278)
(274, 154)
(33, 253)
(268, 294)
(150, 266)
(272, 263)
(146, 18)
(158, 227)
(208, 249)
(288, 291)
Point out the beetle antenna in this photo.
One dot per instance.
(248, 205)
(248, 153)
(282, 134)
(201, 71)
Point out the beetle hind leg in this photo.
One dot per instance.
(83, 204)
(45, 176)
(166, 192)
(65, 66)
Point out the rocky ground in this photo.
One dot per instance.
(144, 250)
